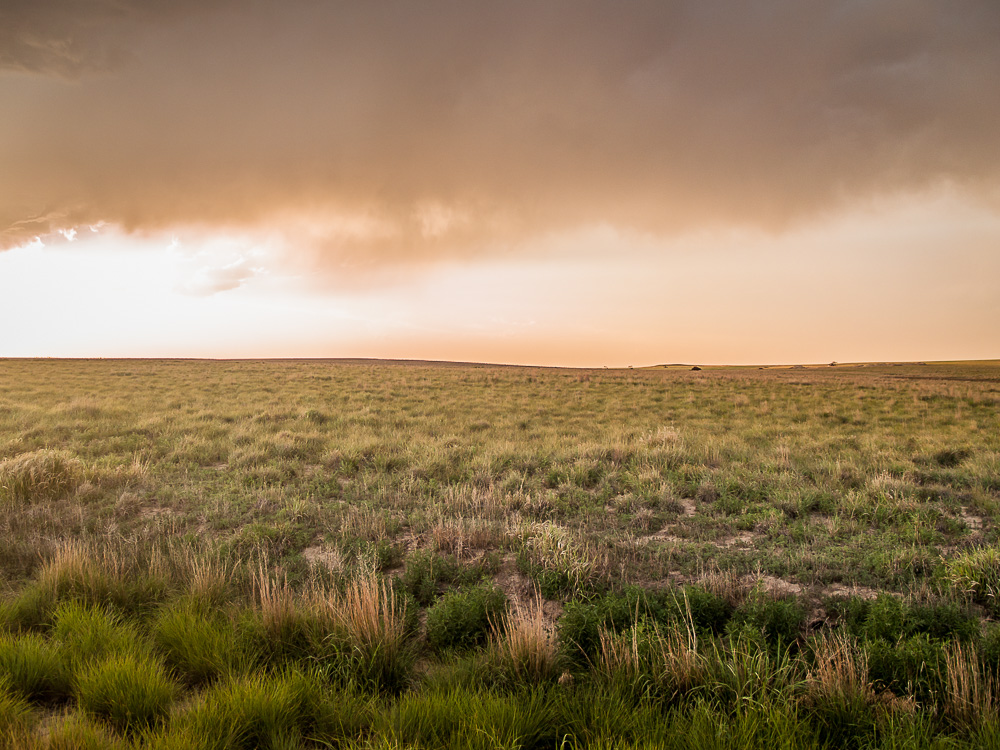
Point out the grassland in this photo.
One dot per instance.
(356, 554)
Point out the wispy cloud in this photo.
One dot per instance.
(212, 280)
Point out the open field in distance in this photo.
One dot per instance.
(524, 557)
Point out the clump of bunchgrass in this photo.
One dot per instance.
(837, 691)
(199, 644)
(31, 609)
(86, 633)
(556, 560)
(642, 661)
(35, 667)
(110, 575)
(269, 710)
(972, 695)
(976, 574)
(476, 719)
(79, 732)
(16, 714)
(39, 475)
(525, 646)
(370, 621)
(747, 670)
(288, 626)
(129, 691)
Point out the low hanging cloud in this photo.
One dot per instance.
(376, 134)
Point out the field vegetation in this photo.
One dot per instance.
(312, 554)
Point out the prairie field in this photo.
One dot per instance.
(379, 554)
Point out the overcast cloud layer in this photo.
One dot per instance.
(373, 133)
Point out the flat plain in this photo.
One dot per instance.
(400, 554)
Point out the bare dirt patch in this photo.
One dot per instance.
(324, 556)
(520, 590)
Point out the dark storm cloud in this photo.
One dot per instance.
(367, 133)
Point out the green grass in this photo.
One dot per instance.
(358, 554)
(34, 668)
(128, 691)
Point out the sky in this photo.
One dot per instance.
(565, 182)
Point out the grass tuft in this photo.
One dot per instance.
(976, 574)
(35, 668)
(372, 624)
(199, 645)
(39, 475)
(128, 691)
(526, 647)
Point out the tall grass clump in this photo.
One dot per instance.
(39, 475)
(644, 662)
(31, 609)
(79, 732)
(746, 672)
(111, 576)
(972, 695)
(477, 720)
(525, 647)
(976, 574)
(371, 625)
(289, 625)
(130, 692)
(34, 668)
(838, 693)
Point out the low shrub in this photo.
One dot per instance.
(708, 612)
(128, 691)
(943, 620)
(777, 621)
(464, 618)
(912, 666)
(427, 572)
(885, 619)
(989, 649)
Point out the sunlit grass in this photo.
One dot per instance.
(303, 554)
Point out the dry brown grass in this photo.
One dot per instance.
(647, 659)
(39, 475)
(972, 695)
(280, 608)
(840, 672)
(526, 643)
(368, 614)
